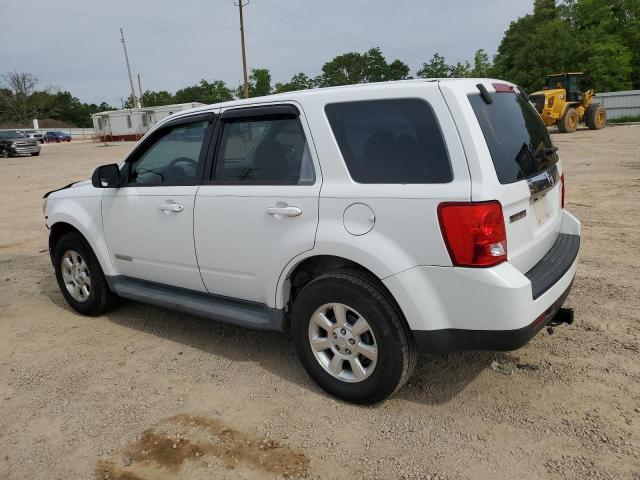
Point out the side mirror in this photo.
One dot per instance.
(106, 176)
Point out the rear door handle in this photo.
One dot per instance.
(284, 211)
(172, 207)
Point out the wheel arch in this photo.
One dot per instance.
(61, 222)
(302, 271)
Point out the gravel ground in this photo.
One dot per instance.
(144, 393)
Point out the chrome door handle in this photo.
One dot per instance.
(284, 211)
(172, 207)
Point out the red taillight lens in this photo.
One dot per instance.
(474, 233)
(562, 197)
(502, 88)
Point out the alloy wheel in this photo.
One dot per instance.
(75, 275)
(343, 342)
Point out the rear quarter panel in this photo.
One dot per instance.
(406, 232)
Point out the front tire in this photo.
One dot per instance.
(80, 276)
(351, 338)
(569, 121)
(35, 154)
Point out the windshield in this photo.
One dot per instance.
(555, 82)
(518, 140)
(11, 134)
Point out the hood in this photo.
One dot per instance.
(19, 140)
(78, 184)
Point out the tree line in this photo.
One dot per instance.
(599, 37)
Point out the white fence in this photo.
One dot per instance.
(620, 104)
(76, 133)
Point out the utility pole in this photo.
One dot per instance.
(136, 103)
(244, 54)
(140, 90)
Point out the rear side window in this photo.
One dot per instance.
(518, 141)
(390, 141)
(271, 151)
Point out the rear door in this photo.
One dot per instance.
(260, 208)
(514, 161)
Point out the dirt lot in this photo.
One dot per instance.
(144, 393)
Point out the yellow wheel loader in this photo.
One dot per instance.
(563, 104)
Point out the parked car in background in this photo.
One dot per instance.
(14, 142)
(31, 133)
(368, 220)
(57, 137)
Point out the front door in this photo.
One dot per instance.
(260, 208)
(149, 220)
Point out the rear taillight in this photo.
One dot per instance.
(474, 233)
(562, 197)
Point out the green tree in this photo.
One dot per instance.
(608, 28)
(536, 45)
(152, 98)
(17, 103)
(435, 68)
(608, 66)
(353, 67)
(20, 103)
(299, 81)
(260, 82)
(460, 70)
(599, 37)
(204, 92)
(481, 64)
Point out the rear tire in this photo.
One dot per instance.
(389, 351)
(569, 121)
(595, 117)
(80, 276)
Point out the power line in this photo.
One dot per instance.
(301, 26)
(368, 42)
(118, 19)
(159, 22)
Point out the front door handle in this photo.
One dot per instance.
(284, 211)
(172, 207)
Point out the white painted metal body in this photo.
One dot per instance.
(225, 242)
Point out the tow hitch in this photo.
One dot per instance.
(563, 315)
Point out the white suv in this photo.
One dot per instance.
(370, 220)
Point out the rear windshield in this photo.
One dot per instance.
(518, 141)
(390, 141)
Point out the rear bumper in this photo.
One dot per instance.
(457, 340)
(499, 308)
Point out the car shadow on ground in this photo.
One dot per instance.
(436, 379)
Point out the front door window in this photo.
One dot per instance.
(173, 159)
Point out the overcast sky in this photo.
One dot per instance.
(75, 44)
